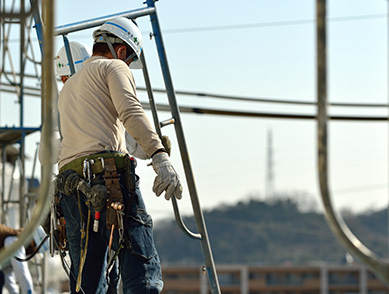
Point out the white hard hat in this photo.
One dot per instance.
(80, 53)
(127, 31)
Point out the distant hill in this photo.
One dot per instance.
(268, 233)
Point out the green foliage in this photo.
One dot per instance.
(267, 233)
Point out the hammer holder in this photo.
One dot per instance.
(114, 191)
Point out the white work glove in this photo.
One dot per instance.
(167, 178)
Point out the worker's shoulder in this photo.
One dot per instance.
(117, 64)
(116, 67)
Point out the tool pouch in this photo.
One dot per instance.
(61, 237)
(66, 182)
(130, 174)
(112, 182)
(56, 215)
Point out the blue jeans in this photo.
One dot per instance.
(139, 263)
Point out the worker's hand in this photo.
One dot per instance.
(167, 178)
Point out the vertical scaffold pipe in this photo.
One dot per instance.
(206, 247)
(336, 222)
(22, 205)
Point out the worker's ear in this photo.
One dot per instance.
(64, 79)
(122, 52)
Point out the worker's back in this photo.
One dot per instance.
(88, 117)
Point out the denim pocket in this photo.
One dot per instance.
(140, 229)
(70, 210)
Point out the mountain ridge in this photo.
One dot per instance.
(274, 232)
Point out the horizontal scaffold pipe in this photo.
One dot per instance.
(91, 23)
(198, 110)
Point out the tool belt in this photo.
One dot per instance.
(97, 166)
(110, 165)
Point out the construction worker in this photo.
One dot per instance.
(81, 52)
(96, 106)
(16, 273)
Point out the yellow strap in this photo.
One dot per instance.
(83, 254)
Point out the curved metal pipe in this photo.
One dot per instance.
(181, 223)
(41, 208)
(336, 223)
(157, 124)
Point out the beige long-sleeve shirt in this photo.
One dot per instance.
(95, 105)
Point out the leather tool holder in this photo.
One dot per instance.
(114, 191)
(130, 174)
(61, 237)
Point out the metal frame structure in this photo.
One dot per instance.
(377, 265)
(13, 81)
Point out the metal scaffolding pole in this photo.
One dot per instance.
(201, 227)
(379, 266)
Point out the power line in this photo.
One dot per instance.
(253, 25)
(213, 111)
(352, 190)
(35, 91)
(271, 24)
(264, 100)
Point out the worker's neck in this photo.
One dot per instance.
(108, 55)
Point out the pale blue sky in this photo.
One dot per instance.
(272, 58)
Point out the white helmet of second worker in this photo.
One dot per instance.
(80, 53)
(127, 32)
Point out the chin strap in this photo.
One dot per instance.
(109, 43)
(133, 56)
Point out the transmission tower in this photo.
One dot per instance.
(269, 193)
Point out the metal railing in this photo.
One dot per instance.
(377, 265)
